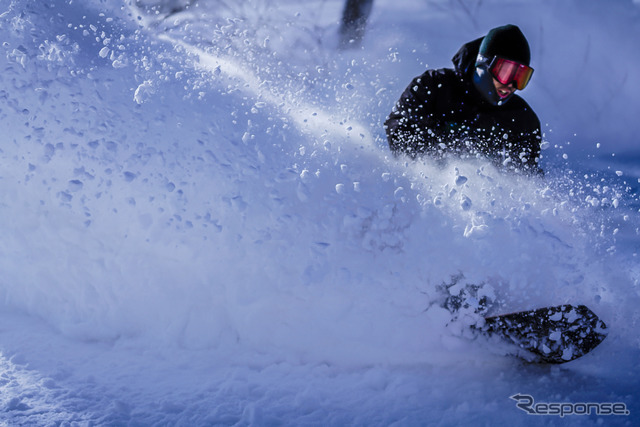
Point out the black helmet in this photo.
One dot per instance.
(506, 42)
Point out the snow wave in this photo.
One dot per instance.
(160, 187)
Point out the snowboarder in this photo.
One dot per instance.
(472, 110)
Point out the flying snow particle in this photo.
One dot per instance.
(555, 336)
(143, 92)
(476, 231)
(465, 203)
(75, 185)
(129, 176)
(305, 176)
(461, 179)
(246, 137)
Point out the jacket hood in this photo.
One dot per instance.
(464, 60)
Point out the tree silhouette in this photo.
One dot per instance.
(354, 22)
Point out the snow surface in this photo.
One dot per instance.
(202, 225)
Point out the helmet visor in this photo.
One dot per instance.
(506, 72)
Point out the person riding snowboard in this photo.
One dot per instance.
(472, 110)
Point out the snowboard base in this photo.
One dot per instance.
(555, 335)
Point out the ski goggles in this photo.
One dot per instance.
(506, 72)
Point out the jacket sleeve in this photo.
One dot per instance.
(531, 156)
(411, 128)
(526, 151)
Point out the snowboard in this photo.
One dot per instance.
(552, 334)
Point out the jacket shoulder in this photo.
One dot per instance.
(465, 57)
(437, 79)
(519, 106)
(438, 74)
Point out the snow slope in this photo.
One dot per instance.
(202, 225)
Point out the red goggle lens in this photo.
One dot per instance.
(506, 71)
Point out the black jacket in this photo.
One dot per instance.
(441, 112)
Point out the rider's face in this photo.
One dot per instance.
(503, 90)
